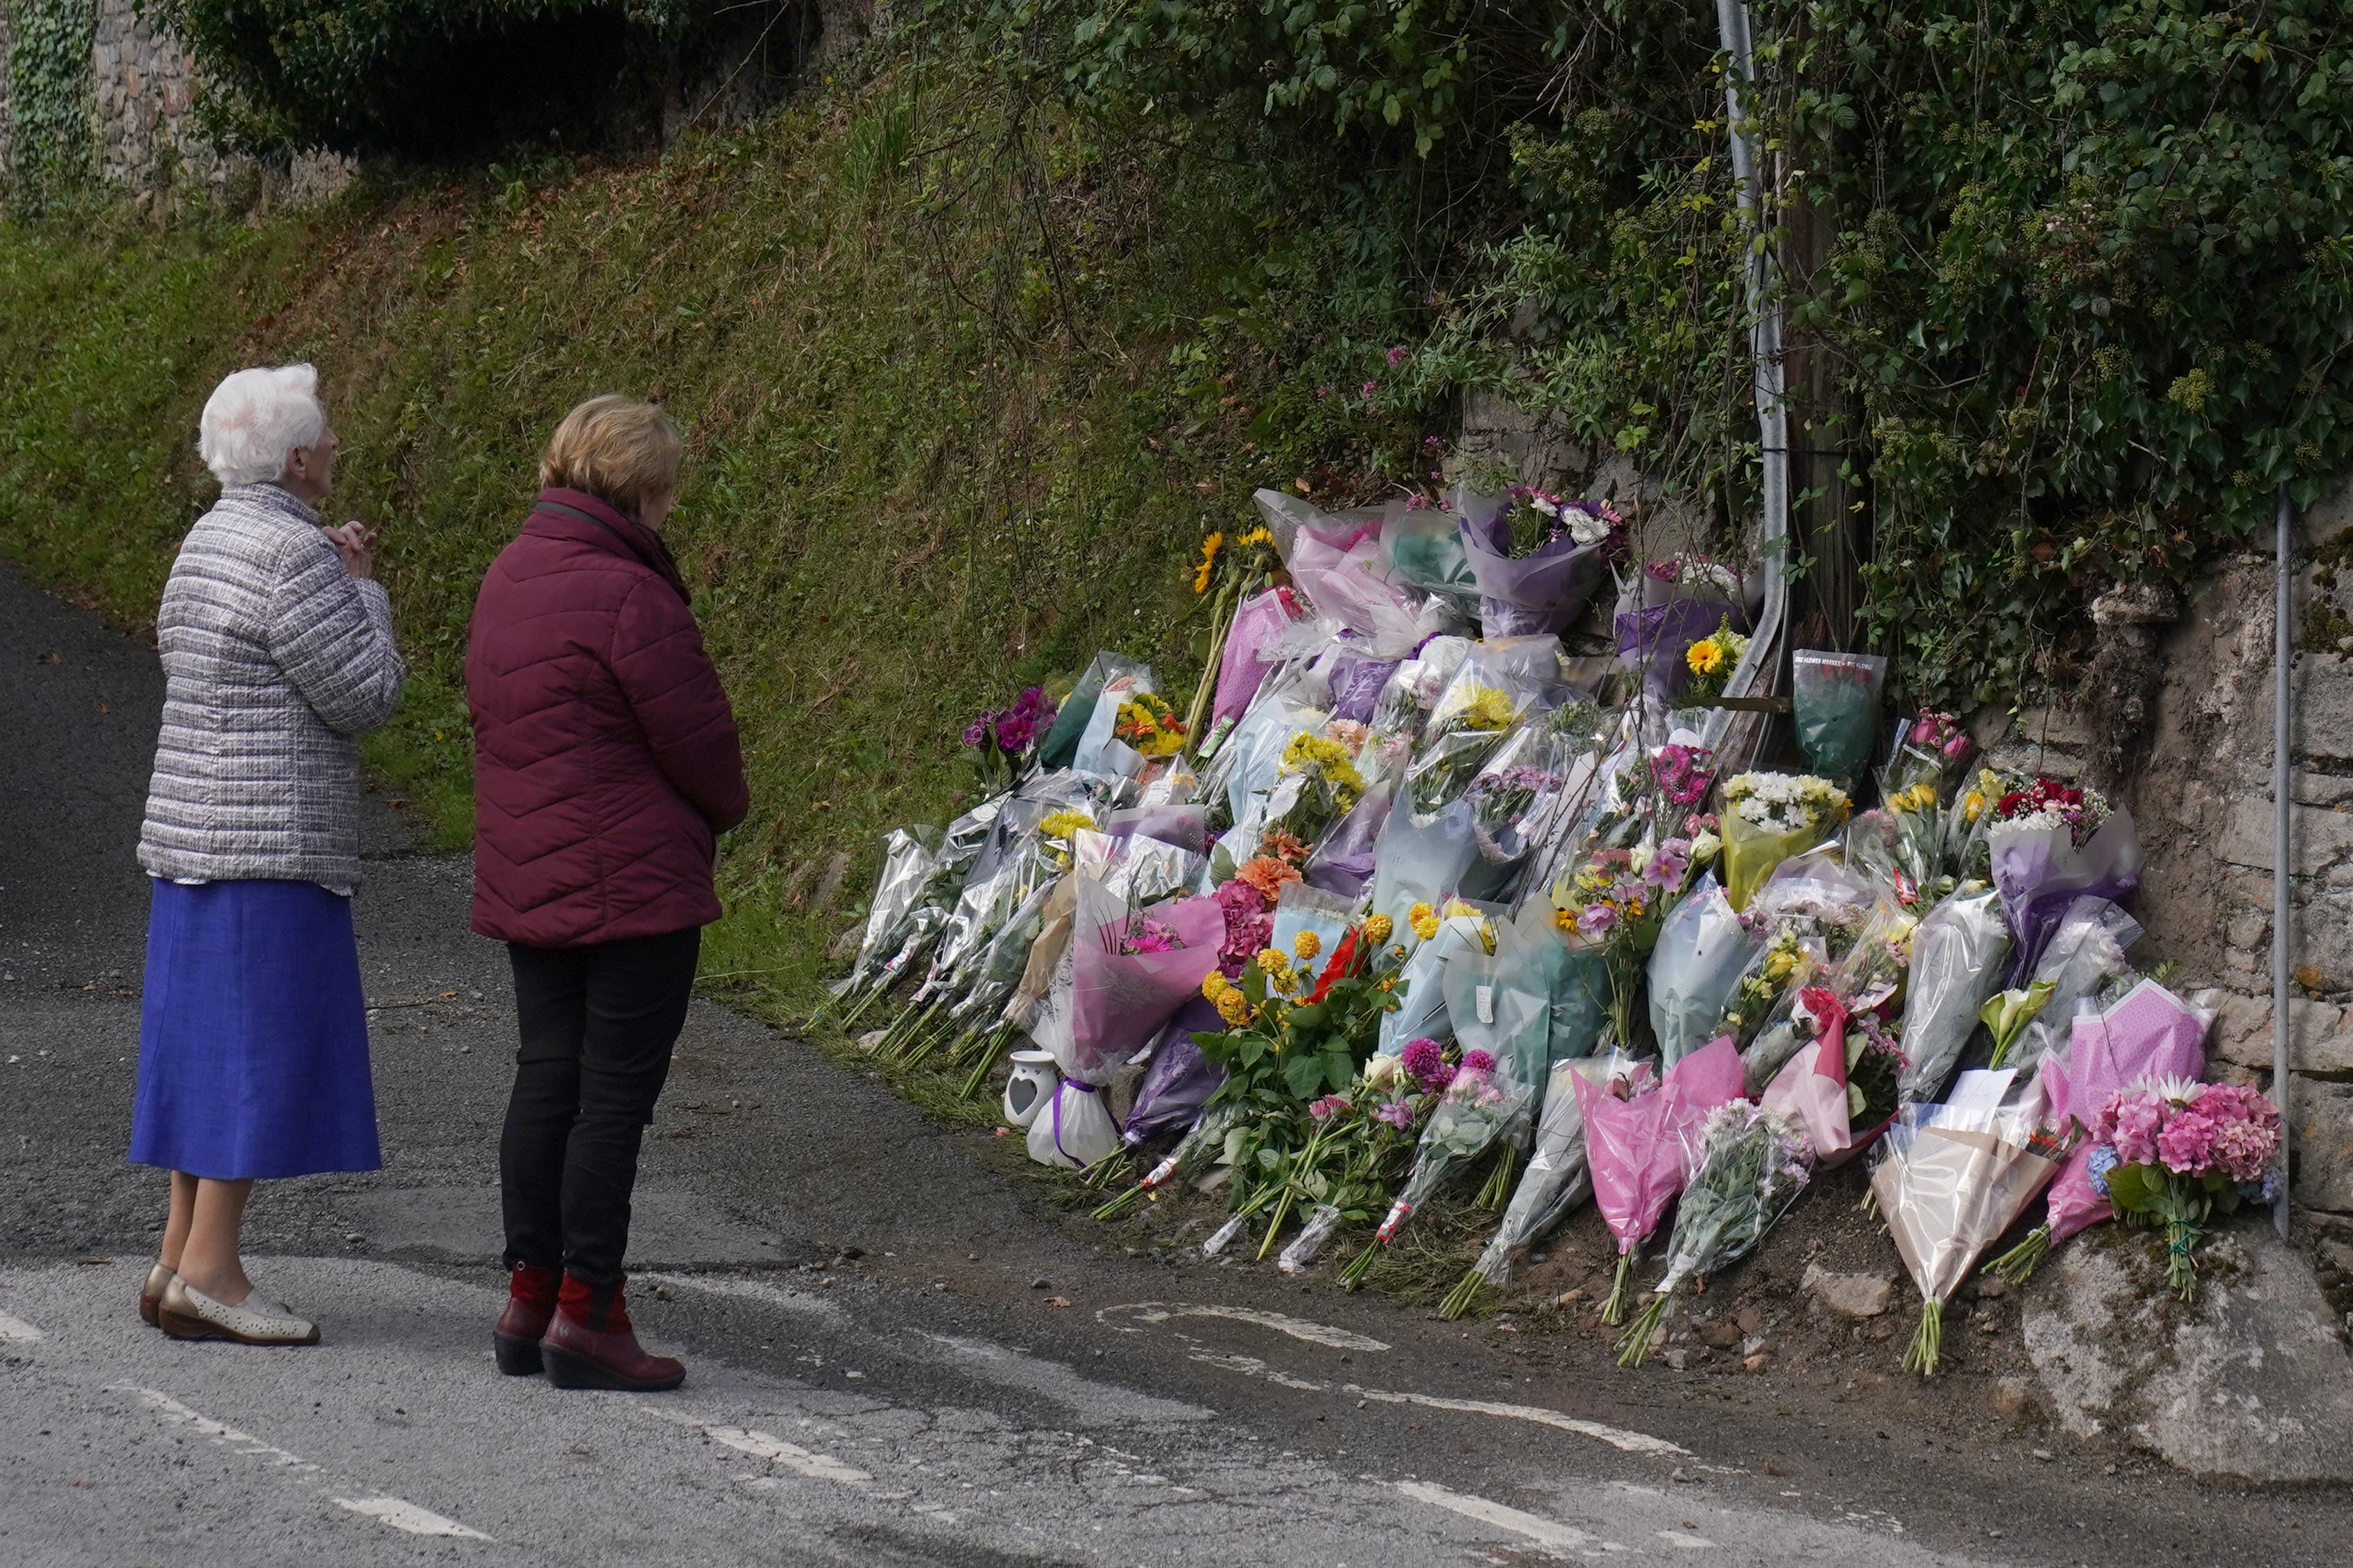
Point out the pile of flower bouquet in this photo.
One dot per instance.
(1402, 899)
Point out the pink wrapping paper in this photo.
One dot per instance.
(1119, 1000)
(1259, 621)
(2151, 1033)
(1640, 1150)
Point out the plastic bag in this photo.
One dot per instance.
(1557, 1179)
(1335, 561)
(1834, 701)
(1426, 552)
(1305, 1247)
(1958, 953)
(1703, 948)
(1299, 907)
(1074, 1130)
(908, 854)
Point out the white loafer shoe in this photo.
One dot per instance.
(187, 1313)
(151, 1295)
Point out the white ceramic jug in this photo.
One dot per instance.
(1031, 1086)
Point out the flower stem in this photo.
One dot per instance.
(2181, 1263)
(1359, 1265)
(1613, 1310)
(1634, 1345)
(1222, 616)
(1466, 1291)
(1500, 1179)
(2017, 1265)
(1927, 1354)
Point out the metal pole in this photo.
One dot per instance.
(1754, 674)
(2283, 616)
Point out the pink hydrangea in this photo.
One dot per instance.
(2130, 1121)
(1478, 1061)
(2186, 1142)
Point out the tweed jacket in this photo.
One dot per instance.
(274, 659)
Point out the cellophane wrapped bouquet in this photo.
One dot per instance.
(1918, 787)
(1638, 1146)
(1486, 1101)
(2050, 844)
(1748, 1163)
(1556, 1180)
(1958, 951)
(1949, 1179)
(1767, 818)
(2148, 1034)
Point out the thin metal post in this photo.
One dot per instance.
(2282, 653)
(1753, 675)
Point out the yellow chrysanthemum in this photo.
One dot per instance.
(1378, 929)
(1214, 985)
(1307, 945)
(1706, 657)
(1426, 927)
(1234, 1008)
(1275, 968)
(1485, 708)
(1065, 825)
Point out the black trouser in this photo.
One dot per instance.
(598, 1026)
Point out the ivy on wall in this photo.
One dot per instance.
(51, 91)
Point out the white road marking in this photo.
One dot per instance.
(1616, 1437)
(766, 1445)
(16, 1330)
(406, 1516)
(246, 1443)
(755, 1289)
(1688, 1543)
(1054, 1381)
(396, 1513)
(1154, 1313)
(1250, 1366)
(1546, 1532)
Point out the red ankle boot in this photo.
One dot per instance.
(531, 1305)
(592, 1345)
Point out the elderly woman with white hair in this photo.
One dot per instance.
(277, 651)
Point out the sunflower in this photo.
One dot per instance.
(1209, 548)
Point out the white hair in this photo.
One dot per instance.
(255, 417)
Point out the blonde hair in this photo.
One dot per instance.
(255, 417)
(618, 449)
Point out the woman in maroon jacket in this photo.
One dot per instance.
(606, 765)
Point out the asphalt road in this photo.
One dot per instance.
(897, 1354)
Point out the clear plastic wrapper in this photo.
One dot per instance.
(1637, 1143)
(1497, 1002)
(1521, 789)
(1335, 559)
(1005, 959)
(1223, 1237)
(1300, 908)
(1656, 625)
(1949, 1179)
(1557, 1179)
(1426, 553)
(1498, 686)
(1185, 825)
(1420, 863)
(2041, 871)
(1480, 1110)
(1834, 702)
(1402, 710)
(1120, 996)
(1703, 947)
(1959, 950)
(1748, 1163)
(1421, 1005)
(1100, 749)
(1343, 861)
(907, 857)
(1300, 1255)
(2086, 950)
(1078, 709)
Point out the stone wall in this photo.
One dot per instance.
(2180, 731)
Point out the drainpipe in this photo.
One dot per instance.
(2283, 616)
(1753, 675)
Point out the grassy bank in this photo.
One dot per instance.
(962, 393)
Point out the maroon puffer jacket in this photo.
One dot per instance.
(605, 760)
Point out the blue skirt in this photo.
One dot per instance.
(253, 1057)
